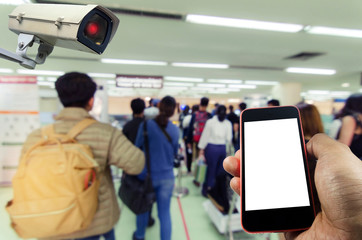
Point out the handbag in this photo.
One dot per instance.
(138, 195)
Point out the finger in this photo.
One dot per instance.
(321, 146)
(232, 166)
(235, 184)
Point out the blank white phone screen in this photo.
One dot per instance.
(274, 169)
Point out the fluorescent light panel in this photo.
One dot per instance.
(257, 82)
(210, 85)
(183, 79)
(133, 62)
(318, 92)
(200, 65)
(172, 84)
(317, 71)
(242, 86)
(230, 81)
(230, 89)
(102, 75)
(6, 70)
(40, 72)
(342, 32)
(340, 93)
(244, 23)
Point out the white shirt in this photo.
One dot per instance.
(216, 132)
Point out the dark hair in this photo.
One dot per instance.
(242, 106)
(204, 101)
(195, 108)
(167, 108)
(231, 108)
(274, 102)
(352, 106)
(221, 112)
(311, 120)
(138, 105)
(75, 89)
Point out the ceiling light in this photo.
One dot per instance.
(340, 93)
(311, 71)
(318, 92)
(231, 81)
(244, 23)
(102, 75)
(257, 82)
(183, 79)
(345, 85)
(242, 86)
(6, 70)
(40, 72)
(210, 85)
(171, 84)
(133, 62)
(200, 65)
(342, 32)
(230, 89)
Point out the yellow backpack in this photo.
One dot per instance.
(55, 186)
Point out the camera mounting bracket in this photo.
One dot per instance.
(24, 42)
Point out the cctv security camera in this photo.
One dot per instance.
(87, 28)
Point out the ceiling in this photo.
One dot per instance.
(251, 54)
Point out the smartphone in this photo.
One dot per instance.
(275, 183)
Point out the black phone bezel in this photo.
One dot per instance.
(280, 219)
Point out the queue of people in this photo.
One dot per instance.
(206, 136)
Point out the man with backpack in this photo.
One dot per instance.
(196, 126)
(108, 146)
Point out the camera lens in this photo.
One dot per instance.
(96, 29)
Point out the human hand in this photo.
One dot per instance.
(338, 179)
(232, 165)
(202, 154)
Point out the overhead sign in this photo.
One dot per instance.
(139, 81)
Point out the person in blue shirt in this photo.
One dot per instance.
(163, 137)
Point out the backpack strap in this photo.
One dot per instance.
(79, 127)
(47, 131)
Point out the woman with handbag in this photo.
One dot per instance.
(161, 154)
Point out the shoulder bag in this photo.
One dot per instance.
(138, 195)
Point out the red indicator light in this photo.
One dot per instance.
(92, 28)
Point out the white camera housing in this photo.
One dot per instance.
(61, 25)
(87, 28)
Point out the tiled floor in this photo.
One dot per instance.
(198, 223)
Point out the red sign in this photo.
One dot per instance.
(18, 79)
